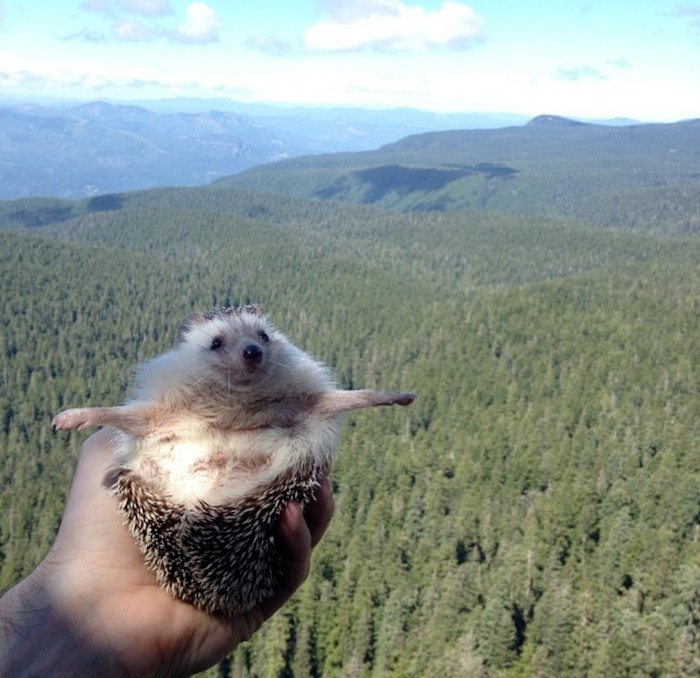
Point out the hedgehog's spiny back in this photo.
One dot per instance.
(221, 559)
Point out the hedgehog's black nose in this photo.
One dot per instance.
(252, 353)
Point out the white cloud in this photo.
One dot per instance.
(684, 9)
(269, 44)
(576, 73)
(87, 35)
(691, 13)
(139, 7)
(350, 10)
(606, 70)
(130, 30)
(86, 78)
(145, 7)
(201, 25)
(618, 62)
(392, 26)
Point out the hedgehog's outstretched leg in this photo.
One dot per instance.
(127, 418)
(336, 402)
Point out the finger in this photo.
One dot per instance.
(87, 493)
(91, 525)
(318, 513)
(294, 546)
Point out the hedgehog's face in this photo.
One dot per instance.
(235, 348)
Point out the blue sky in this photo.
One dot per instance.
(597, 59)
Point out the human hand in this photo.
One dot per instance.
(93, 606)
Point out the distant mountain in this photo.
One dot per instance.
(97, 148)
(69, 150)
(555, 120)
(551, 165)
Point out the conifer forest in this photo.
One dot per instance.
(536, 511)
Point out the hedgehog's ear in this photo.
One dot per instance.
(255, 309)
(187, 323)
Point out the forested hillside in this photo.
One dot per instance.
(536, 511)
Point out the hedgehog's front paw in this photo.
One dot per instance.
(70, 419)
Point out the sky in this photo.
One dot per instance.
(595, 60)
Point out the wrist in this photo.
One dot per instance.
(38, 637)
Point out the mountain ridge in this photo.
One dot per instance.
(78, 149)
(551, 165)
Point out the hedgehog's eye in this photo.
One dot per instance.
(216, 343)
(263, 336)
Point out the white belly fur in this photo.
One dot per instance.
(221, 467)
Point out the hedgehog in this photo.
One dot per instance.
(218, 436)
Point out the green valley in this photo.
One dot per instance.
(536, 511)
